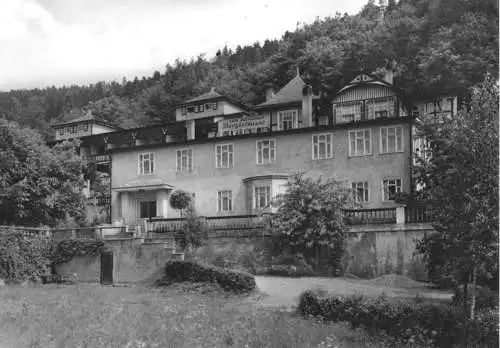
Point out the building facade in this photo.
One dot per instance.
(234, 160)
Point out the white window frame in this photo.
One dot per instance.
(141, 166)
(385, 195)
(348, 112)
(221, 194)
(219, 155)
(285, 113)
(356, 152)
(366, 191)
(268, 195)
(327, 141)
(272, 151)
(189, 155)
(396, 149)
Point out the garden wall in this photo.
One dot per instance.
(133, 261)
(371, 250)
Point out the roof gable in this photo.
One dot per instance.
(365, 79)
(212, 94)
(291, 92)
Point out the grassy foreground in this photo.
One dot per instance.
(91, 315)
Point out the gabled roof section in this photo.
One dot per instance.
(365, 79)
(291, 92)
(88, 117)
(210, 95)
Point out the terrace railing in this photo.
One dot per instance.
(370, 216)
(418, 214)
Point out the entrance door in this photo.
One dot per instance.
(107, 267)
(148, 209)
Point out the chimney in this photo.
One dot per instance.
(389, 75)
(269, 93)
(307, 106)
(190, 129)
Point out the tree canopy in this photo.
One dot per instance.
(38, 185)
(459, 177)
(435, 46)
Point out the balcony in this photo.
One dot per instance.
(99, 200)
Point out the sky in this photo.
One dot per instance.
(64, 42)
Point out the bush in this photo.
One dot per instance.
(22, 258)
(421, 323)
(229, 280)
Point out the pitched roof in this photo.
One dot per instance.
(291, 92)
(84, 118)
(212, 94)
(365, 78)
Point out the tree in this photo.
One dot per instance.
(38, 185)
(310, 215)
(460, 179)
(180, 200)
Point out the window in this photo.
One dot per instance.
(202, 108)
(391, 187)
(224, 201)
(185, 160)
(323, 121)
(183, 110)
(348, 113)
(208, 106)
(266, 152)
(215, 105)
(360, 142)
(322, 146)
(190, 109)
(381, 108)
(391, 139)
(262, 196)
(148, 209)
(146, 163)
(360, 191)
(224, 156)
(287, 119)
(86, 127)
(61, 131)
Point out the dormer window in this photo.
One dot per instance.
(208, 106)
(86, 127)
(215, 105)
(202, 108)
(61, 131)
(287, 119)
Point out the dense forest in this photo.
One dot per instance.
(435, 47)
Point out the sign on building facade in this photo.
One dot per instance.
(243, 124)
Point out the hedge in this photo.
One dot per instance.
(426, 324)
(229, 280)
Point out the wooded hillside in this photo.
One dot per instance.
(435, 46)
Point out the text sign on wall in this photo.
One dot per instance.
(243, 123)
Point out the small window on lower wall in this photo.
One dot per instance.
(262, 196)
(224, 201)
(390, 188)
(360, 191)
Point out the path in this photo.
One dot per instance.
(282, 291)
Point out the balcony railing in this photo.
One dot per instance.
(370, 216)
(417, 214)
(99, 200)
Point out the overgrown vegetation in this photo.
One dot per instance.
(32, 258)
(38, 185)
(229, 280)
(310, 217)
(459, 176)
(420, 322)
(194, 230)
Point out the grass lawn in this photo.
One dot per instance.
(91, 315)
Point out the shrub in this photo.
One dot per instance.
(22, 258)
(193, 232)
(229, 280)
(290, 265)
(422, 323)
